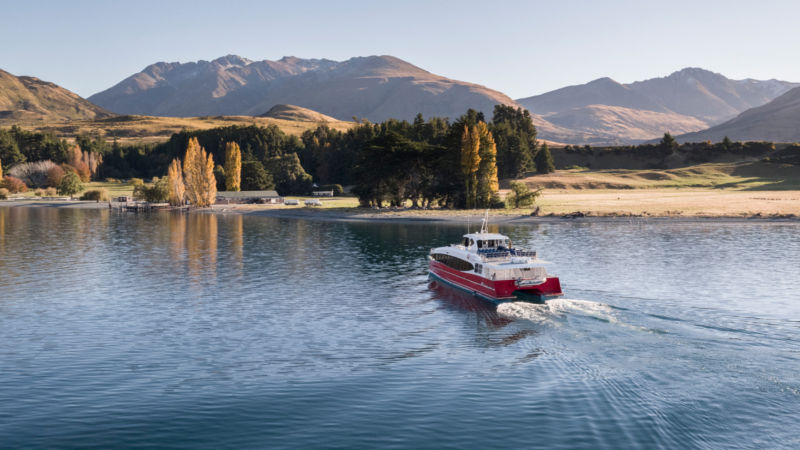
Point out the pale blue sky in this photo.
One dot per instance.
(521, 48)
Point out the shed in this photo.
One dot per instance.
(230, 197)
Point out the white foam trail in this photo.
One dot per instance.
(533, 312)
(554, 309)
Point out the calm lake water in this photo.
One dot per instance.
(173, 331)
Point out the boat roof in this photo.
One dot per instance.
(485, 236)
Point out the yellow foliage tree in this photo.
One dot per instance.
(233, 167)
(198, 174)
(488, 185)
(177, 189)
(470, 161)
(1, 169)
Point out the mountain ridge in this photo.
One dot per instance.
(25, 98)
(372, 87)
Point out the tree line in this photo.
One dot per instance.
(427, 161)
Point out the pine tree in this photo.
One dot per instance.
(470, 161)
(177, 189)
(544, 160)
(233, 167)
(198, 173)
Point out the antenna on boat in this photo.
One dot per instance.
(485, 223)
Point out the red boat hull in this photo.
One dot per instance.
(496, 290)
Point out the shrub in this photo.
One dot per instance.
(13, 184)
(67, 168)
(70, 184)
(83, 170)
(50, 192)
(98, 195)
(33, 174)
(136, 182)
(38, 192)
(3, 193)
(158, 192)
(54, 176)
(520, 196)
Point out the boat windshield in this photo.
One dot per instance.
(493, 244)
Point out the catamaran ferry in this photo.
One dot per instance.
(487, 265)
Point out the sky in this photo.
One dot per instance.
(521, 48)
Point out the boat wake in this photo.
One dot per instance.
(555, 310)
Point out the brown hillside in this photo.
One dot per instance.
(296, 113)
(777, 121)
(29, 99)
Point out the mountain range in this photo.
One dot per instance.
(373, 87)
(688, 100)
(376, 88)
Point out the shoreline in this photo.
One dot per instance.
(423, 216)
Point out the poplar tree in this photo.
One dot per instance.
(233, 167)
(177, 189)
(487, 186)
(470, 161)
(198, 173)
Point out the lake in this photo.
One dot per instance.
(178, 330)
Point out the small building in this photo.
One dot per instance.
(322, 193)
(231, 198)
(124, 199)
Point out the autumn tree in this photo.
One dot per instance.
(177, 189)
(470, 162)
(76, 160)
(233, 167)
(487, 184)
(198, 173)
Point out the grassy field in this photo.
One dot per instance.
(743, 175)
(148, 129)
(732, 190)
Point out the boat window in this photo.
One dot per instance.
(480, 244)
(471, 243)
(452, 261)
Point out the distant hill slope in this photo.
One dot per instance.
(372, 87)
(149, 129)
(26, 99)
(292, 112)
(619, 125)
(777, 121)
(687, 100)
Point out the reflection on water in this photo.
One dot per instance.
(123, 330)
